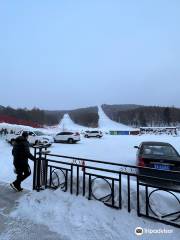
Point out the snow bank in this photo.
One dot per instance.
(161, 202)
(15, 127)
(77, 218)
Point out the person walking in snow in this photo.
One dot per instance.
(21, 154)
(5, 132)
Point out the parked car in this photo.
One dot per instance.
(160, 156)
(69, 137)
(97, 134)
(34, 137)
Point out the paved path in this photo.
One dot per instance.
(14, 229)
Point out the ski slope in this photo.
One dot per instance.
(104, 124)
(67, 124)
(107, 124)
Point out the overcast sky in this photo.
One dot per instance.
(64, 54)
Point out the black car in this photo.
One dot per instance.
(158, 156)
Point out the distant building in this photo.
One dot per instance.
(123, 132)
(159, 130)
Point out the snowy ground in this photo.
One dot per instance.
(76, 217)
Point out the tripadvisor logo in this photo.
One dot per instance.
(139, 231)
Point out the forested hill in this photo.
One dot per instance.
(129, 114)
(136, 115)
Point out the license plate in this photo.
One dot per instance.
(162, 166)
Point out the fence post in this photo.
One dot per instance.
(138, 199)
(38, 178)
(35, 170)
(45, 169)
(35, 174)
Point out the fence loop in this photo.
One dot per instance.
(123, 186)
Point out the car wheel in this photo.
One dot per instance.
(70, 140)
(48, 145)
(36, 142)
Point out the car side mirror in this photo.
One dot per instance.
(136, 147)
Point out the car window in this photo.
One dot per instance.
(69, 133)
(62, 133)
(31, 134)
(159, 150)
(38, 133)
(65, 133)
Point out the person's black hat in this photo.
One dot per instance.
(25, 134)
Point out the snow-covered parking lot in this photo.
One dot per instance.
(118, 149)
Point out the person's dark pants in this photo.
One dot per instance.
(22, 173)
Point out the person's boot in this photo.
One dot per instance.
(16, 186)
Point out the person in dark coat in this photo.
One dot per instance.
(21, 154)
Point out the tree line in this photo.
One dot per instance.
(145, 116)
(132, 115)
(33, 117)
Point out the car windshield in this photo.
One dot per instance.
(159, 150)
(18, 133)
(38, 133)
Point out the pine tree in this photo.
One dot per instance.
(167, 115)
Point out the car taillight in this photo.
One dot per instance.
(141, 162)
